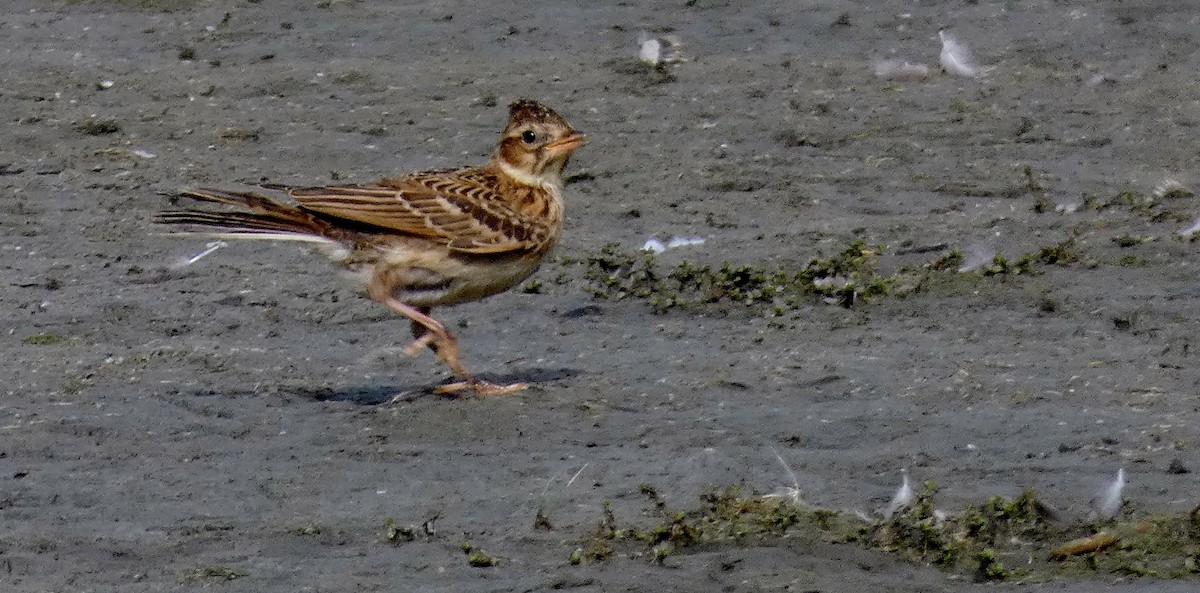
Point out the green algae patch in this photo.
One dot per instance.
(991, 541)
(476, 557)
(1018, 539)
(845, 278)
(1152, 207)
(45, 339)
(1024, 539)
(724, 517)
(848, 278)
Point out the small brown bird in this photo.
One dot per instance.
(424, 239)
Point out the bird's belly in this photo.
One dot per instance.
(428, 280)
(486, 278)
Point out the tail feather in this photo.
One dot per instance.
(243, 199)
(259, 217)
(235, 224)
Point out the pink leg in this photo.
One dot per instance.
(430, 332)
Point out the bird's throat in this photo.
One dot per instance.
(520, 176)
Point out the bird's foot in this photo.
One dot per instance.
(481, 388)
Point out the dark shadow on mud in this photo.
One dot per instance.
(375, 394)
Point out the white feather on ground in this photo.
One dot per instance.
(1108, 503)
(656, 247)
(684, 242)
(649, 49)
(976, 257)
(791, 492)
(658, 50)
(1191, 230)
(956, 58)
(902, 498)
(184, 262)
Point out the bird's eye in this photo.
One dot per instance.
(529, 137)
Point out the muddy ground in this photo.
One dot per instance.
(248, 423)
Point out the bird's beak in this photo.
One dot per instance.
(568, 144)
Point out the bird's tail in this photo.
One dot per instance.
(257, 217)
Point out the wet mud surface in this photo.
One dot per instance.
(248, 422)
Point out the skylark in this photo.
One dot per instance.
(424, 239)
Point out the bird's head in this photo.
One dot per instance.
(536, 144)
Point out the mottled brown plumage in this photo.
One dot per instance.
(424, 239)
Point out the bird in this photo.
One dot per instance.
(422, 239)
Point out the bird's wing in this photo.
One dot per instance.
(467, 216)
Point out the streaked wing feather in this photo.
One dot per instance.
(440, 207)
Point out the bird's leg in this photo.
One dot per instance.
(430, 332)
(422, 337)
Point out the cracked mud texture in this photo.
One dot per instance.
(248, 423)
